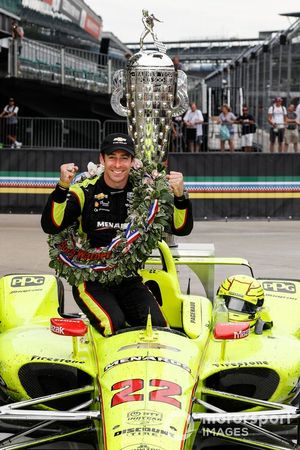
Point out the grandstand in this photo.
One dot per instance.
(66, 62)
(203, 56)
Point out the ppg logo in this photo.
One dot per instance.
(279, 286)
(27, 280)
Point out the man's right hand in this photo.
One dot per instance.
(67, 173)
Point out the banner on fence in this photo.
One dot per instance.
(220, 185)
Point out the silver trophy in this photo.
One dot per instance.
(153, 92)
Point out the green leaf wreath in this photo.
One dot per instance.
(73, 258)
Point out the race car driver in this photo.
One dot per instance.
(109, 308)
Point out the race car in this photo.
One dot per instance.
(225, 370)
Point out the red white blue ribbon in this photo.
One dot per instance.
(131, 236)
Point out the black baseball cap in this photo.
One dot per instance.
(117, 141)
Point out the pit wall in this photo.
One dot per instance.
(221, 185)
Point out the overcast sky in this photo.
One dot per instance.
(194, 19)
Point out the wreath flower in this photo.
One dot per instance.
(149, 214)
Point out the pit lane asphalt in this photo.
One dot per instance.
(271, 247)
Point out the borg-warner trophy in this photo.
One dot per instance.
(154, 91)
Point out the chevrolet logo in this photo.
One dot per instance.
(119, 139)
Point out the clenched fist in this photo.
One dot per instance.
(67, 173)
(176, 183)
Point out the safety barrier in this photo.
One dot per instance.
(50, 133)
(221, 185)
(178, 141)
(114, 126)
(88, 134)
(241, 185)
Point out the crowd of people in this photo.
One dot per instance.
(284, 128)
(187, 130)
(284, 123)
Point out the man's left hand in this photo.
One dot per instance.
(176, 183)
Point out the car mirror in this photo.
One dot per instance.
(68, 327)
(232, 330)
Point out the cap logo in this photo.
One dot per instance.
(119, 140)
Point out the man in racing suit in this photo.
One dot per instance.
(100, 206)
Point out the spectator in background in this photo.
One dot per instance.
(177, 134)
(177, 63)
(17, 34)
(248, 126)
(298, 112)
(193, 120)
(298, 115)
(226, 119)
(277, 119)
(10, 114)
(291, 132)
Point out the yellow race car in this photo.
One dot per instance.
(225, 371)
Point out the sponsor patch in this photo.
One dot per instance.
(58, 360)
(116, 225)
(144, 431)
(57, 330)
(279, 286)
(27, 280)
(241, 364)
(147, 358)
(100, 196)
(144, 415)
(241, 334)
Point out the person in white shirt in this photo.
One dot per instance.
(298, 112)
(277, 116)
(10, 115)
(193, 120)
